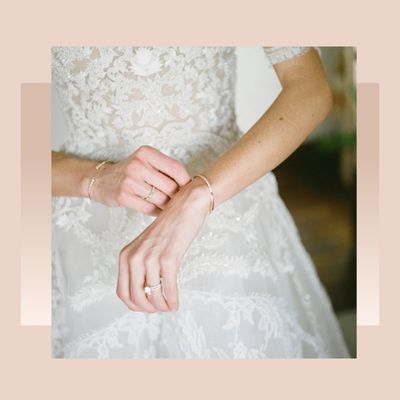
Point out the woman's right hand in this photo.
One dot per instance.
(127, 182)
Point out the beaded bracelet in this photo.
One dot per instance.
(93, 179)
(212, 204)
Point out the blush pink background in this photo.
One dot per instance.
(31, 29)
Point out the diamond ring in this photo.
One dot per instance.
(150, 289)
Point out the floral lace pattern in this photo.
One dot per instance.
(277, 55)
(248, 288)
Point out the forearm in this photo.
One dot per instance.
(299, 108)
(70, 174)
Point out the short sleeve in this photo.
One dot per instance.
(276, 55)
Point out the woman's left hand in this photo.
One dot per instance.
(157, 252)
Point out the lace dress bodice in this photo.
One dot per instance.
(118, 98)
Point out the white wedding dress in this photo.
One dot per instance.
(247, 286)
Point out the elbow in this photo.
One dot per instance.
(326, 99)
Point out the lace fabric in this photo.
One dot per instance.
(248, 287)
(277, 55)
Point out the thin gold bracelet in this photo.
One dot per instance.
(93, 179)
(212, 203)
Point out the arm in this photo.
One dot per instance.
(304, 102)
(69, 174)
(123, 183)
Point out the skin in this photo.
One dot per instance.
(124, 183)
(304, 102)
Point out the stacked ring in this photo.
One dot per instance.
(150, 289)
(150, 193)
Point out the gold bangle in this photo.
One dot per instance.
(93, 178)
(212, 203)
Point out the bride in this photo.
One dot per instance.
(170, 238)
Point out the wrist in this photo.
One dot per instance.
(197, 196)
(87, 172)
(90, 171)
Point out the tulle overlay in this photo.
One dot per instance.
(247, 286)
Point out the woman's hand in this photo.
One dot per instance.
(126, 183)
(157, 252)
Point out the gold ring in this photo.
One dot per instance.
(150, 194)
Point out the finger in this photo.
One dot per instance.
(137, 282)
(142, 189)
(138, 204)
(153, 278)
(167, 165)
(123, 287)
(170, 285)
(160, 181)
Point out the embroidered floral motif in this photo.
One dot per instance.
(144, 63)
(272, 324)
